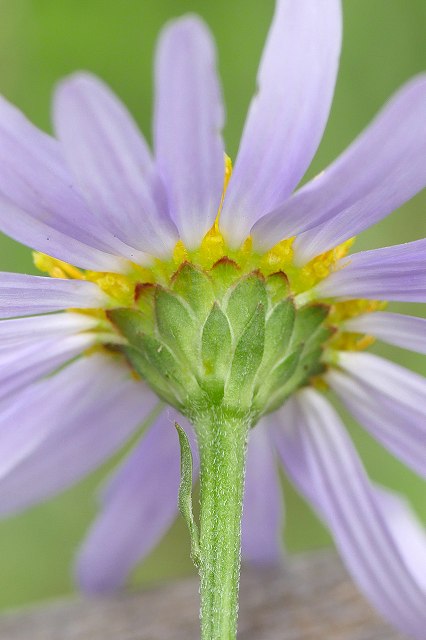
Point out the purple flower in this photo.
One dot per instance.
(97, 198)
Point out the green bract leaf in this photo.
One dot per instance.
(146, 368)
(157, 359)
(194, 286)
(278, 332)
(247, 359)
(224, 273)
(185, 493)
(162, 358)
(308, 320)
(281, 382)
(278, 286)
(176, 325)
(243, 302)
(216, 344)
(144, 301)
(128, 322)
(283, 371)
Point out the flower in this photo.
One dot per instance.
(112, 224)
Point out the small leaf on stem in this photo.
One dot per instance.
(185, 493)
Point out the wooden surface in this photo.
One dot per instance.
(311, 598)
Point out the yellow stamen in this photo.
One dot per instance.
(341, 311)
(56, 268)
(118, 286)
(180, 253)
(319, 383)
(228, 173)
(351, 342)
(226, 179)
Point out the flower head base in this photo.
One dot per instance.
(218, 338)
(217, 325)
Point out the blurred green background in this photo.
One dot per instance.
(43, 40)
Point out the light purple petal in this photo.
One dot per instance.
(401, 394)
(63, 427)
(341, 492)
(381, 170)
(139, 507)
(36, 191)
(33, 175)
(115, 481)
(187, 127)
(21, 330)
(407, 332)
(22, 295)
(286, 438)
(287, 116)
(36, 234)
(263, 504)
(112, 164)
(23, 423)
(386, 377)
(24, 363)
(391, 273)
(406, 530)
(399, 428)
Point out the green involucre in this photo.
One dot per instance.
(220, 339)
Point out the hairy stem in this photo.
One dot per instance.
(222, 438)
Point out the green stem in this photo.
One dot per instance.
(222, 441)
